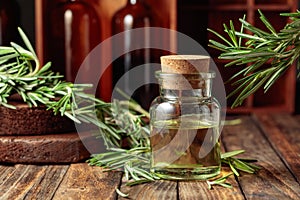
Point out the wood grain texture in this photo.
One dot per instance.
(46, 186)
(274, 179)
(25, 120)
(151, 191)
(283, 132)
(194, 190)
(21, 181)
(5, 173)
(86, 182)
(56, 148)
(30, 181)
(257, 135)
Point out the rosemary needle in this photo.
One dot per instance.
(280, 49)
(121, 193)
(220, 181)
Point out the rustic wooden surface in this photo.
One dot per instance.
(25, 120)
(37, 149)
(274, 140)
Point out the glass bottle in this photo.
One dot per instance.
(136, 14)
(9, 22)
(184, 122)
(75, 31)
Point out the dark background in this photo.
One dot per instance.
(27, 17)
(27, 24)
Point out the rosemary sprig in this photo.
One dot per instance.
(239, 164)
(20, 73)
(279, 49)
(220, 181)
(236, 165)
(121, 123)
(136, 164)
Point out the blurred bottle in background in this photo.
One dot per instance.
(75, 30)
(136, 14)
(9, 22)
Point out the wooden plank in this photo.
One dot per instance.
(21, 181)
(151, 191)
(25, 120)
(199, 189)
(55, 148)
(283, 132)
(273, 181)
(5, 173)
(46, 186)
(30, 181)
(194, 190)
(86, 182)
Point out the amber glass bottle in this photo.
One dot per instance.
(136, 14)
(9, 22)
(75, 31)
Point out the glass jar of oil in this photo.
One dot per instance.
(185, 127)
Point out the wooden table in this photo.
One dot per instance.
(274, 140)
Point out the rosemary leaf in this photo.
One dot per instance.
(231, 154)
(121, 193)
(238, 164)
(27, 42)
(220, 181)
(267, 23)
(233, 169)
(137, 182)
(282, 48)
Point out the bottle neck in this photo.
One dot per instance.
(179, 95)
(185, 86)
(133, 2)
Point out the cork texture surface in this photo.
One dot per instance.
(185, 64)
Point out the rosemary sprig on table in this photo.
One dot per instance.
(241, 164)
(136, 164)
(278, 49)
(118, 121)
(236, 165)
(220, 181)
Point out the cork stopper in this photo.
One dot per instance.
(187, 68)
(185, 64)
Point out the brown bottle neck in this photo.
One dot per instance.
(133, 2)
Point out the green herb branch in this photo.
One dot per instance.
(20, 74)
(278, 49)
(135, 164)
(121, 124)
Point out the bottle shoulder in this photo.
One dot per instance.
(204, 109)
(193, 103)
(136, 11)
(75, 7)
